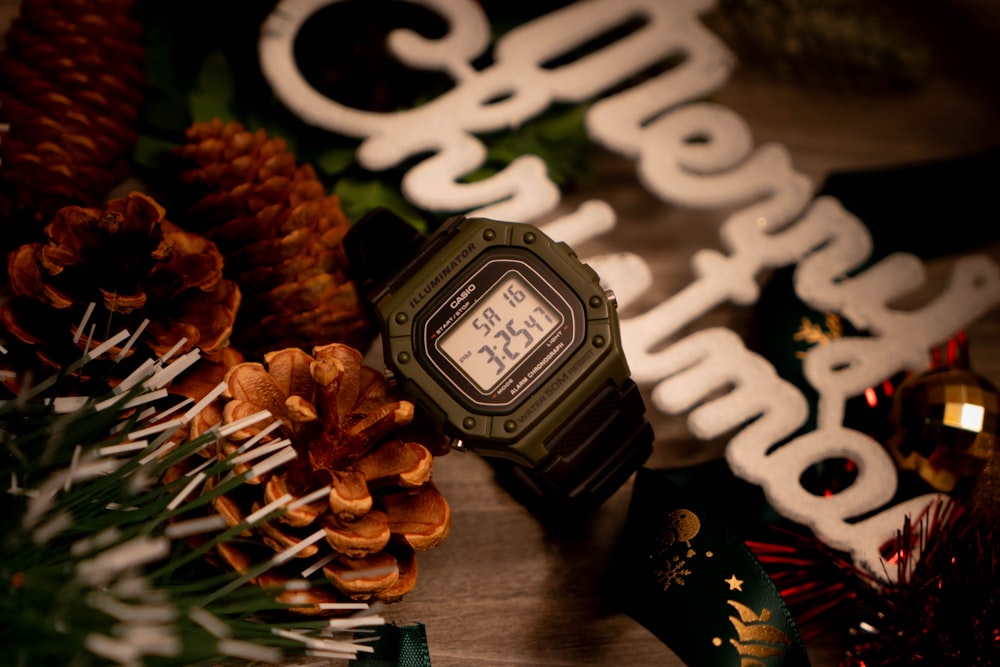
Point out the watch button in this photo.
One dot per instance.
(473, 427)
(476, 427)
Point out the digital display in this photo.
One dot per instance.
(500, 331)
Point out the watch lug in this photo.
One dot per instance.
(612, 299)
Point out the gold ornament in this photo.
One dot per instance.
(945, 422)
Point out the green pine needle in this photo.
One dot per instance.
(89, 571)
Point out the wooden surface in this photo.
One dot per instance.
(500, 591)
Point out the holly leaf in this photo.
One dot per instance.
(333, 161)
(358, 197)
(557, 136)
(151, 152)
(214, 90)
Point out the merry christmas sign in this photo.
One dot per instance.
(691, 153)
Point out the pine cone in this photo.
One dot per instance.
(70, 92)
(352, 435)
(281, 235)
(134, 265)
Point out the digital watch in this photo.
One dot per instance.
(511, 344)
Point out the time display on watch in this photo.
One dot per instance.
(500, 328)
(506, 325)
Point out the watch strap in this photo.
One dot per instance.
(383, 250)
(377, 245)
(590, 456)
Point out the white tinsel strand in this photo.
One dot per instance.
(83, 322)
(111, 563)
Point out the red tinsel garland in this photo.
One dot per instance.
(942, 610)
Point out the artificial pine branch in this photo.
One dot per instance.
(98, 561)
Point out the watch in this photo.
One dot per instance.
(510, 343)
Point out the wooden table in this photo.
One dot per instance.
(502, 592)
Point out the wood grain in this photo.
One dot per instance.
(501, 591)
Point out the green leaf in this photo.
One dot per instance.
(568, 124)
(214, 90)
(358, 197)
(558, 137)
(150, 151)
(333, 161)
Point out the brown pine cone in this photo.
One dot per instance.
(281, 235)
(70, 92)
(355, 439)
(134, 265)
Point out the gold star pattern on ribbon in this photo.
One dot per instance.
(675, 554)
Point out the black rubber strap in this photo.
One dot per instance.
(383, 250)
(590, 456)
(379, 245)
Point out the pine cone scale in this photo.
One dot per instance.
(281, 235)
(71, 78)
(124, 258)
(370, 534)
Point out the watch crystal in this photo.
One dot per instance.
(499, 333)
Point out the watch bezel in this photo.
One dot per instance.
(519, 432)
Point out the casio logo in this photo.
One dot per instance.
(462, 296)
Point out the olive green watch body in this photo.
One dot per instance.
(510, 343)
(513, 417)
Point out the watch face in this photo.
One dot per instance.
(503, 328)
(508, 323)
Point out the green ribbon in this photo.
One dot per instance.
(684, 575)
(397, 646)
(691, 581)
